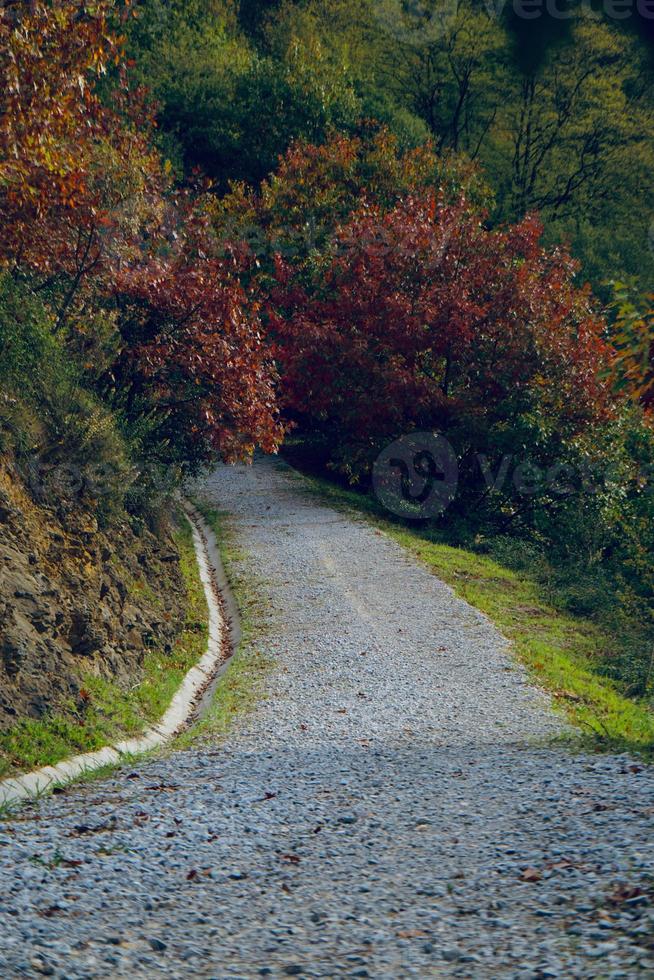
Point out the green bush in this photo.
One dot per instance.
(595, 552)
(28, 348)
(232, 109)
(68, 445)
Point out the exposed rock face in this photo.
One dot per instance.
(74, 599)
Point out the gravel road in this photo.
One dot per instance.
(394, 807)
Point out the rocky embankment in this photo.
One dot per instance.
(75, 600)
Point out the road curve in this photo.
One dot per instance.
(394, 807)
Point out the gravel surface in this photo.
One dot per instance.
(391, 809)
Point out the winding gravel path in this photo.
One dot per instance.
(376, 816)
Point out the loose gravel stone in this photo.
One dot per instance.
(393, 705)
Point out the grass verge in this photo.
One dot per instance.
(243, 683)
(563, 652)
(110, 712)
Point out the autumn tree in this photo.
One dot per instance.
(315, 188)
(193, 360)
(632, 336)
(92, 221)
(79, 179)
(421, 318)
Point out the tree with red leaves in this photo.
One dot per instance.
(89, 216)
(317, 187)
(77, 177)
(193, 353)
(421, 318)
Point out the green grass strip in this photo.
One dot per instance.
(112, 713)
(564, 653)
(242, 685)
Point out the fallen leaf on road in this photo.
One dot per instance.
(51, 911)
(266, 797)
(563, 865)
(627, 893)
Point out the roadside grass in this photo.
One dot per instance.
(242, 685)
(564, 653)
(14, 811)
(110, 712)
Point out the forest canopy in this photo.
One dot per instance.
(558, 111)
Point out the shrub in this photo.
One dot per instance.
(316, 187)
(67, 444)
(27, 344)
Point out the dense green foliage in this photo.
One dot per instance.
(231, 107)
(64, 438)
(559, 112)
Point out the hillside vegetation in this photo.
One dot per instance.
(128, 358)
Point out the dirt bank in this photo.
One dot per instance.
(75, 600)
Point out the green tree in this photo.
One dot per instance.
(568, 133)
(572, 120)
(352, 41)
(449, 63)
(576, 142)
(233, 109)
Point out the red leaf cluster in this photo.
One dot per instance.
(88, 212)
(421, 317)
(196, 353)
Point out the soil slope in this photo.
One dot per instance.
(75, 599)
